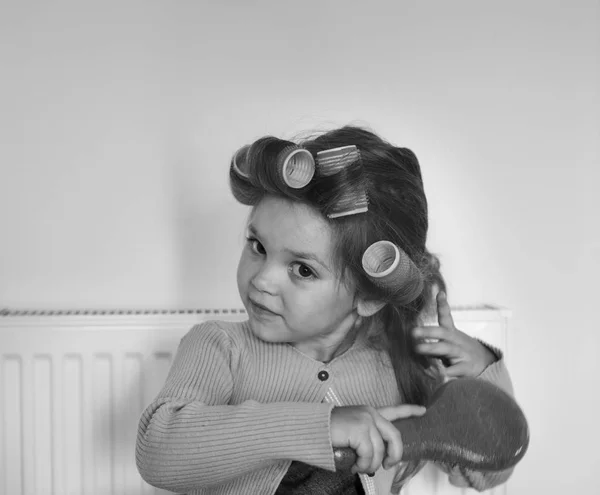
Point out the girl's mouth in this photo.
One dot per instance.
(260, 310)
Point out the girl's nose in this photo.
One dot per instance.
(266, 279)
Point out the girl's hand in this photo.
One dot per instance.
(463, 355)
(367, 431)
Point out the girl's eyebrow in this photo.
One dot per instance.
(295, 254)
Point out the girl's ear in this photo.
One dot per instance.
(367, 308)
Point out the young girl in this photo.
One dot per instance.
(336, 279)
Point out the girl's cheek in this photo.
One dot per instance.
(304, 300)
(249, 268)
(244, 269)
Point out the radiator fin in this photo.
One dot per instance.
(74, 435)
(42, 430)
(12, 385)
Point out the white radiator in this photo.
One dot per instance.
(73, 386)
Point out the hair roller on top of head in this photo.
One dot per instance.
(269, 165)
(333, 161)
(295, 166)
(292, 165)
(389, 267)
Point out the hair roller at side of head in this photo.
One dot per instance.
(239, 178)
(240, 164)
(390, 268)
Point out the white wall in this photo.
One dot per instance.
(118, 120)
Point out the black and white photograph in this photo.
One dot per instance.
(327, 247)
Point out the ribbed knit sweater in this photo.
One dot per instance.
(235, 411)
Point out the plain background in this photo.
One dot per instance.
(118, 120)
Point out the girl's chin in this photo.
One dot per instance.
(266, 333)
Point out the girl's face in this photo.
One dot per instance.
(287, 280)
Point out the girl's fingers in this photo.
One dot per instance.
(457, 479)
(392, 413)
(364, 453)
(378, 451)
(441, 348)
(444, 313)
(432, 332)
(458, 370)
(390, 434)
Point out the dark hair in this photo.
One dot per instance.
(397, 212)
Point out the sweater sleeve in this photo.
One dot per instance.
(191, 437)
(496, 373)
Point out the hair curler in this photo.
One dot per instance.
(333, 161)
(390, 267)
(294, 166)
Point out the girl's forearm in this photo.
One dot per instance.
(186, 444)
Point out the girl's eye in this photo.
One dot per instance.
(302, 271)
(255, 245)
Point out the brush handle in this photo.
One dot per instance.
(469, 422)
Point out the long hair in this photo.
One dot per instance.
(397, 212)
